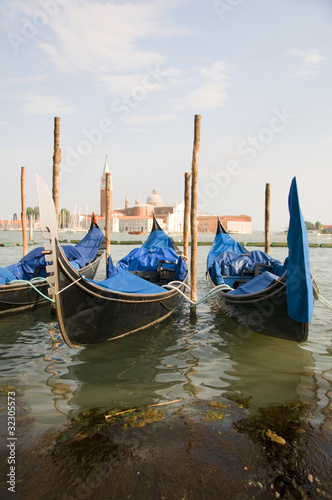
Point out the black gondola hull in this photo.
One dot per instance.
(88, 313)
(264, 312)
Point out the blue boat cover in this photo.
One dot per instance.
(261, 282)
(157, 247)
(229, 263)
(223, 242)
(300, 300)
(34, 263)
(126, 282)
(158, 239)
(6, 276)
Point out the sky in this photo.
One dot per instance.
(127, 79)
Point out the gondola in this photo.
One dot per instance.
(261, 293)
(144, 288)
(23, 286)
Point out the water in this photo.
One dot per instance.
(176, 359)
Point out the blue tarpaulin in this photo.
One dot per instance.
(126, 282)
(300, 300)
(6, 276)
(261, 282)
(223, 242)
(229, 263)
(158, 239)
(142, 259)
(86, 249)
(34, 263)
(158, 247)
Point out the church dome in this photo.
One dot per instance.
(154, 198)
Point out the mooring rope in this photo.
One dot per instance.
(325, 302)
(222, 287)
(68, 286)
(43, 280)
(33, 286)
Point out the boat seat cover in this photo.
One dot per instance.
(223, 242)
(144, 259)
(82, 253)
(158, 239)
(261, 282)
(6, 276)
(126, 282)
(232, 264)
(215, 273)
(88, 247)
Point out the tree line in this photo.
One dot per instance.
(64, 215)
(310, 226)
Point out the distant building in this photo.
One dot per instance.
(139, 216)
(170, 215)
(132, 223)
(240, 224)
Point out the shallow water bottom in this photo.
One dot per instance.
(209, 449)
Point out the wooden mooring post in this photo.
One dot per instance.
(108, 216)
(23, 213)
(56, 166)
(186, 215)
(193, 214)
(267, 218)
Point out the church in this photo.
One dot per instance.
(137, 218)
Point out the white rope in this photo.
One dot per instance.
(171, 287)
(325, 302)
(71, 284)
(219, 288)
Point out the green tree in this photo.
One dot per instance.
(64, 217)
(318, 226)
(33, 211)
(309, 226)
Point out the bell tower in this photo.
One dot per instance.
(103, 190)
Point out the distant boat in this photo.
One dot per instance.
(136, 232)
(258, 291)
(22, 284)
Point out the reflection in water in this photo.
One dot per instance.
(61, 391)
(176, 359)
(206, 360)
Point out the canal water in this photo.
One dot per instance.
(177, 359)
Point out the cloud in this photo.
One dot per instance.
(46, 105)
(126, 83)
(101, 37)
(311, 60)
(25, 79)
(205, 96)
(211, 82)
(147, 119)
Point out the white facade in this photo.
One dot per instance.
(174, 223)
(114, 224)
(127, 224)
(238, 226)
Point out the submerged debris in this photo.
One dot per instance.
(143, 417)
(274, 437)
(212, 416)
